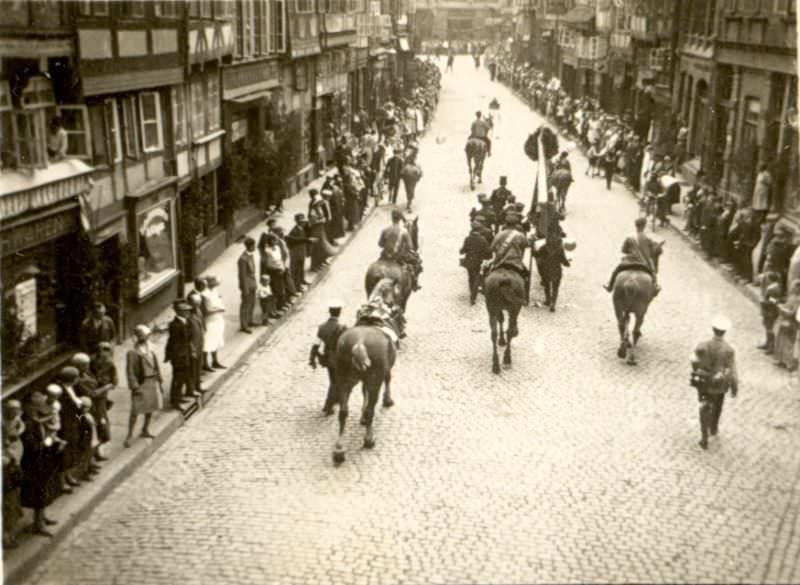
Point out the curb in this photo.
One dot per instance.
(33, 552)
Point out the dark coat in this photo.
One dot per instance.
(329, 333)
(246, 266)
(40, 466)
(475, 249)
(549, 261)
(91, 335)
(179, 350)
(298, 242)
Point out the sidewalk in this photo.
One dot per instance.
(68, 510)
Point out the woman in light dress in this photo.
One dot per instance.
(213, 308)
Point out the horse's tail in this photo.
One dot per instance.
(509, 294)
(359, 357)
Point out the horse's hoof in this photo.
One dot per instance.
(501, 342)
(631, 362)
(507, 360)
(338, 457)
(369, 443)
(388, 403)
(621, 353)
(496, 369)
(363, 421)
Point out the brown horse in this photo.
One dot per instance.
(505, 292)
(364, 354)
(633, 292)
(476, 155)
(395, 271)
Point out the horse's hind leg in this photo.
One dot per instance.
(495, 357)
(344, 398)
(622, 326)
(502, 340)
(372, 389)
(387, 390)
(633, 336)
(513, 331)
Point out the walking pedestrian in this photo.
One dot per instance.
(411, 175)
(246, 267)
(549, 260)
(324, 351)
(475, 250)
(713, 374)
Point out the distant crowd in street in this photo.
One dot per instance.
(744, 236)
(56, 439)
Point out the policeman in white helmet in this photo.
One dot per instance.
(713, 374)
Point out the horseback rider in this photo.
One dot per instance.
(381, 310)
(396, 246)
(508, 247)
(639, 253)
(480, 129)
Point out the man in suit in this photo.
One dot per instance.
(198, 337)
(95, 328)
(327, 337)
(179, 352)
(247, 285)
(298, 242)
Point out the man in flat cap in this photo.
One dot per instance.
(713, 374)
(324, 351)
(179, 352)
(298, 241)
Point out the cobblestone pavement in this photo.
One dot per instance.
(569, 467)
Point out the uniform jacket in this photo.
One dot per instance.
(508, 247)
(395, 242)
(198, 329)
(476, 249)
(499, 198)
(479, 129)
(179, 350)
(550, 260)
(329, 333)
(717, 357)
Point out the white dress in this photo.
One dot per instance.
(215, 322)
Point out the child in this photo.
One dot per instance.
(266, 300)
(770, 294)
(88, 440)
(13, 427)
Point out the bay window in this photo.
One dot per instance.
(150, 115)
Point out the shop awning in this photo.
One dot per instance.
(23, 191)
(580, 15)
(251, 97)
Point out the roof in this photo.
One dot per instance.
(579, 15)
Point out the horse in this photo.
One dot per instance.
(394, 270)
(632, 294)
(476, 154)
(504, 290)
(364, 354)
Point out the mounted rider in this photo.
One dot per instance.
(639, 252)
(382, 311)
(508, 247)
(396, 246)
(480, 129)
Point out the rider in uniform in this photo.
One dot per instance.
(508, 247)
(500, 196)
(480, 129)
(639, 253)
(381, 311)
(396, 245)
(324, 351)
(713, 374)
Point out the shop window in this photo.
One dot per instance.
(111, 115)
(131, 127)
(76, 123)
(277, 22)
(156, 246)
(198, 109)
(178, 115)
(213, 103)
(150, 112)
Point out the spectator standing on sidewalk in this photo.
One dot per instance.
(298, 242)
(213, 308)
(781, 248)
(288, 283)
(265, 299)
(786, 334)
(771, 290)
(13, 429)
(179, 353)
(105, 372)
(144, 381)
(272, 265)
(197, 323)
(95, 328)
(70, 425)
(40, 463)
(761, 193)
(246, 267)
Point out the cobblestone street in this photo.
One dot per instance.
(568, 467)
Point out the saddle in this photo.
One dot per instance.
(635, 266)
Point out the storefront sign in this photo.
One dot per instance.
(25, 296)
(37, 232)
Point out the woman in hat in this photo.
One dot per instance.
(786, 334)
(213, 308)
(40, 464)
(144, 381)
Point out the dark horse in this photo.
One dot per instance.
(633, 291)
(505, 292)
(364, 354)
(394, 270)
(476, 154)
